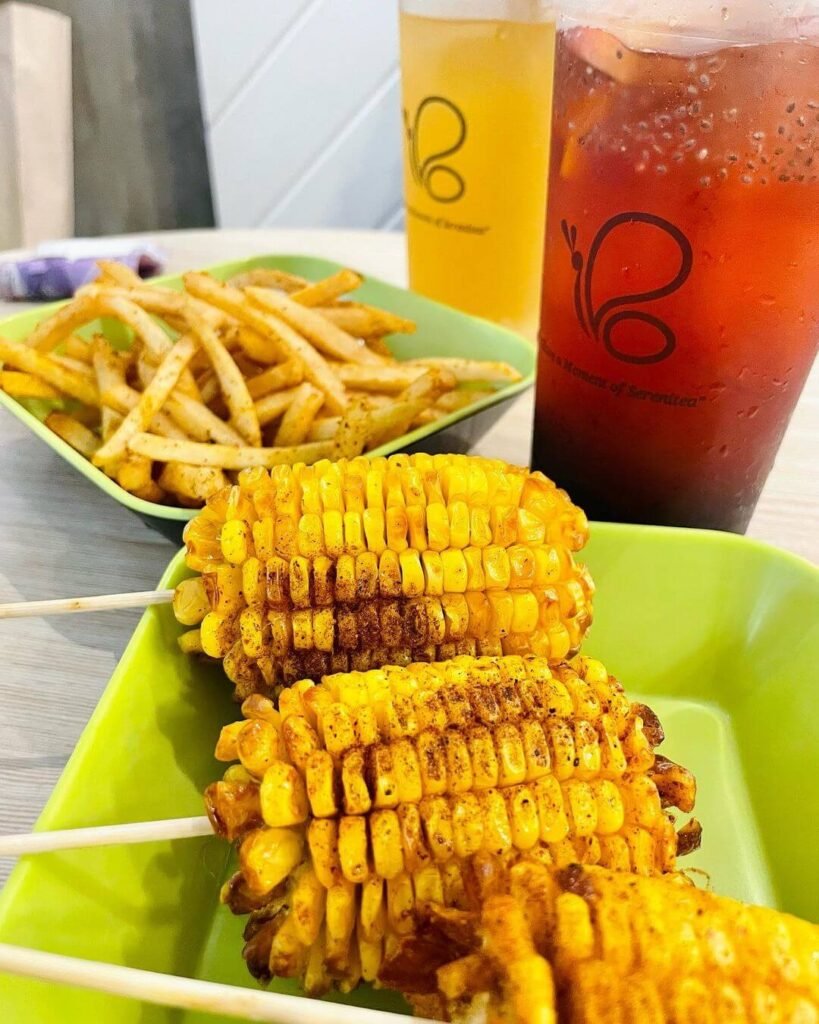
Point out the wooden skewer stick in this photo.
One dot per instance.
(104, 835)
(184, 993)
(100, 603)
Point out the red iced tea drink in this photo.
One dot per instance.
(681, 279)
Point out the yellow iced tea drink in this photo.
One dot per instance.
(477, 100)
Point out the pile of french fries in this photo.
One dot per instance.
(265, 369)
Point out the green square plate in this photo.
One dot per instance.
(720, 635)
(442, 331)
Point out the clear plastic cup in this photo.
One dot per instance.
(680, 313)
(477, 84)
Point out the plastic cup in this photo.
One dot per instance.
(680, 312)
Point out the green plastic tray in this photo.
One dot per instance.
(442, 331)
(720, 635)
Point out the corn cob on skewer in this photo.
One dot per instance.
(584, 945)
(351, 565)
(374, 792)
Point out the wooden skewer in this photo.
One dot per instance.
(104, 835)
(184, 993)
(100, 603)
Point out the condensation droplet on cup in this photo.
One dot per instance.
(702, 154)
(661, 169)
(724, 13)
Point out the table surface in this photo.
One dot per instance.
(58, 537)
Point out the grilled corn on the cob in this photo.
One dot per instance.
(369, 794)
(584, 945)
(350, 565)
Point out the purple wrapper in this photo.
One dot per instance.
(55, 277)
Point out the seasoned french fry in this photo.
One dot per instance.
(209, 387)
(297, 420)
(150, 401)
(73, 432)
(274, 405)
(25, 385)
(312, 325)
(75, 365)
(150, 492)
(321, 293)
(285, 375)
(392, 378)
(460, 398)
(134, 473)
(236, 303)
(164, 449)
(430, 386)
(192, 484)
(77, 348)
(365, 321)
(267, 277)
(118, 273)
(261, 348)
(379, 346)
(231, 382)
(29, 360)
(385, 422)
(470, 369)
(197, 420)
(353, 432)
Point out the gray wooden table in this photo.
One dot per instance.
(59, 536)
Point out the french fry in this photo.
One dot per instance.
(75, 365)
(193, 485)
(285, 375)
(391, 378)
(470, 369)
(267, 277)
(231, 382)
(73, 432)
(150, 492)
(77, 348)
(385, 422)
(163, 449)
(393, 420)
(365, 321)
(197, 420)
(118, 273)
(236, 303)
(430, 385)
(322, 293)
(460, 398)
(353, 432)
(134, 473)
(379, 346)
(208, 386)
(29, 360)
(297, 420)
(326, 337)
(261, 348)
(25, 385)
(150, 401)
(274, 405)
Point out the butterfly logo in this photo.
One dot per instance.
(441, 182)
(599, 322)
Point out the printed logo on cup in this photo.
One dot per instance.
(599, 321)
(439, 119)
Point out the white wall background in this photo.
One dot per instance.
(302, 112)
